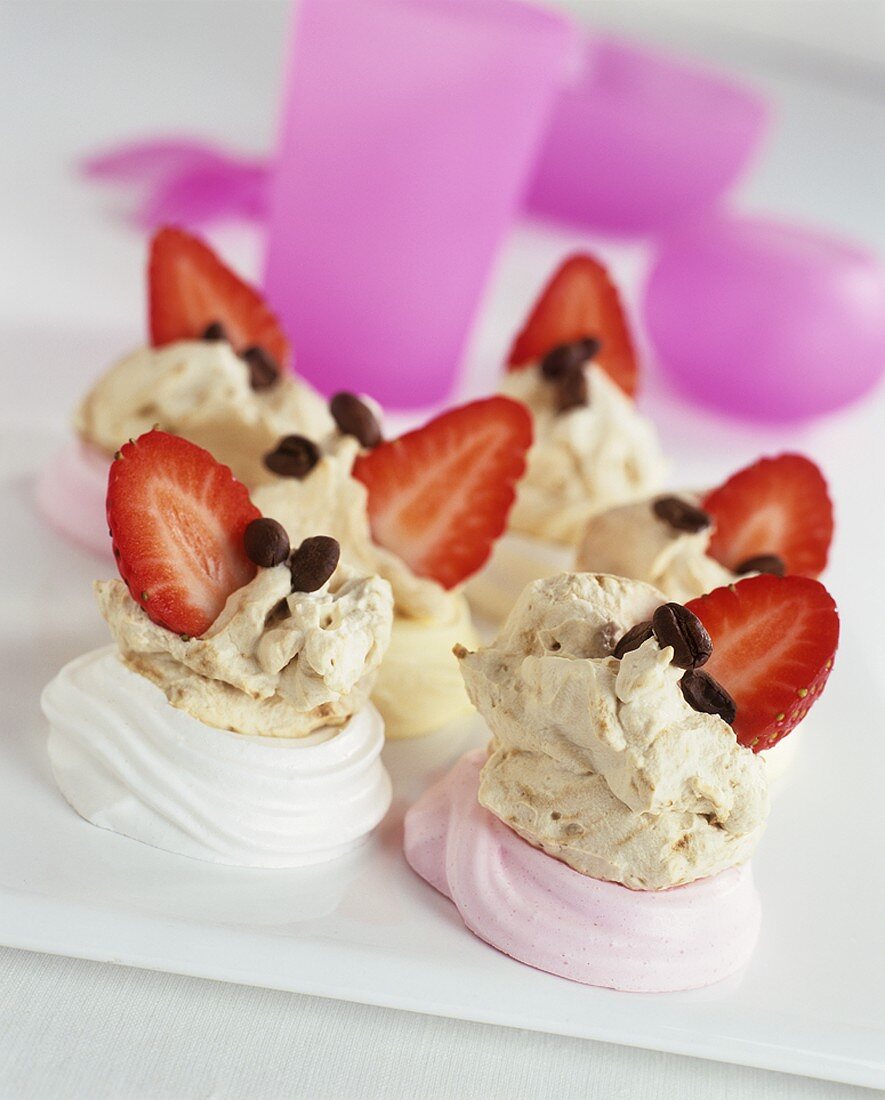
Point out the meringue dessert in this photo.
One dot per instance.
(216, 372)
(422, 511)
(606, 832)
(574, 368)
(231, 721)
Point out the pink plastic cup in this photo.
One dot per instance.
(409, 132)
(640, 141)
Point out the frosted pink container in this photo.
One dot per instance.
(766, 320)
(640, 140)
(409, 131)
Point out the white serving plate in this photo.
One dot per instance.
(367, 929)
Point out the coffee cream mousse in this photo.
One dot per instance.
(423, 512)
(216, 372)
(573, 366)
(606, 832)
(231, 721)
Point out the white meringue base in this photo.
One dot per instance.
(420, 687)
(128, 761)
(516, 561)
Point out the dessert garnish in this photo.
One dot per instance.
(766, 643)
(264, 371)
(354, 417)
(293, 456)
(314, 562)
(564, 368)
(633, 639)
(764, 563)
(567, 359)
(572, 392)
(774, 641)
(674, 625)
(177, 519)
(266, 542)
(578, 317)
(705, 695)
(439, 496)
(680, 514)
(192, 291)
(777, 508)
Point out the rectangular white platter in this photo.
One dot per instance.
(366, 929)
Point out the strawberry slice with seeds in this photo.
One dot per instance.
(189, 289)
(777, 506)
(774, 640)
(177, 519)
(579, 302)
(438, 497)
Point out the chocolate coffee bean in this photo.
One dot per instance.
(706, 695)
(676, 626)
(295, 456)
(215, 331)
(681, 515)
(763, 563)
(264, 370)
(354, 417)
(572, 392)
(633, 639)
(266, 542)
(313, 563)
(566, 359)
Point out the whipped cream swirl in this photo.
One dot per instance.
(582, 460)
(200, 389)
(631, 541)
(275, 663)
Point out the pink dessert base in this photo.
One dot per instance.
(538, 910)
(71, 496)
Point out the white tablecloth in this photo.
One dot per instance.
(86, 1030)
(74, 77)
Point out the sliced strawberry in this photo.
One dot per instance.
(177, 519)
(190, 288)
(776, 506)
(580, 301)
(774, 639)
(439, 496)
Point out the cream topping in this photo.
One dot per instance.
(200, 389)
(600, 762)
(631, 541)
(275, 663)
(331, 502)
(582, 460)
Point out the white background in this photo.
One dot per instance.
(76, 76)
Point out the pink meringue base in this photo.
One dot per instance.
(71, 495)
(538, 910)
